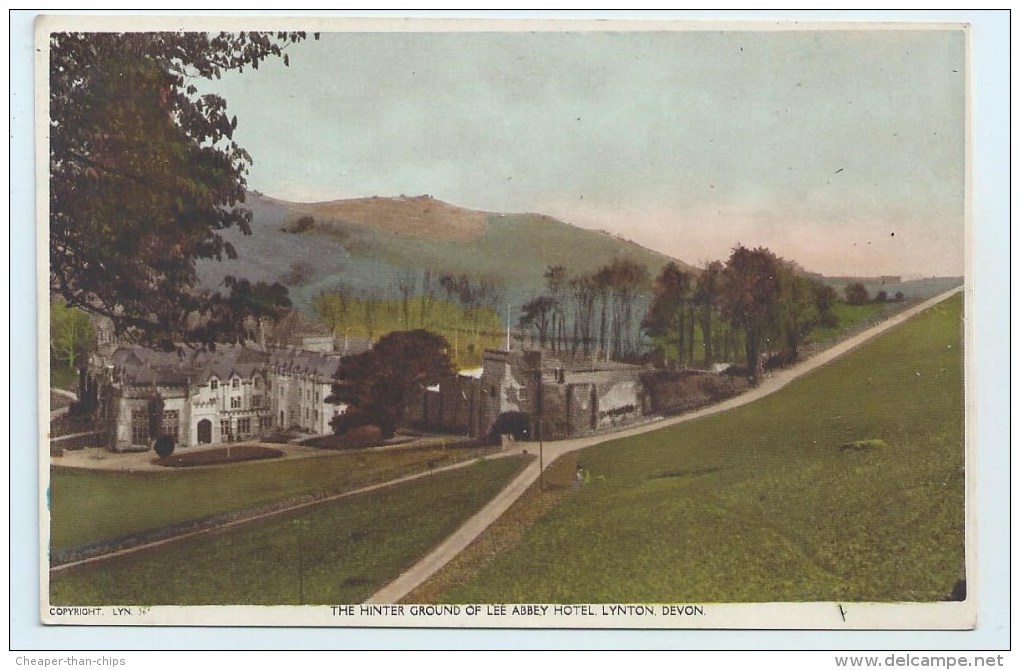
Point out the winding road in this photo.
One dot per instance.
(476, 525)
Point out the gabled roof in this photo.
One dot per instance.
(298, 361)
(138, 365)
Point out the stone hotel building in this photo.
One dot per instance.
(233, 393)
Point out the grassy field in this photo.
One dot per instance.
(63, 377)
(763, 503)
(339, 552)
(849, 316)
(89, 505)
(469, 332)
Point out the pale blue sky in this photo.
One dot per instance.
(842, 150)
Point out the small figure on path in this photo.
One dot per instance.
(579, 476)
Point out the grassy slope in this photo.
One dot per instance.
(760, 504)
(349, 549)
(469, 334)
(850, 316)
(92, 505)
(62, 377)
(514, 247)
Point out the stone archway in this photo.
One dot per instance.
(205, 431)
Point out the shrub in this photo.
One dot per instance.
(220, 456)
(349, 420)
(863, 445)
(362, 436)
(302, 224)
(299, 274)
(164, 446)
(856, 293)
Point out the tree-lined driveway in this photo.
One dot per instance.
(453, 545)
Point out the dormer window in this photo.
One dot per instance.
(214, 384)
(235, 383)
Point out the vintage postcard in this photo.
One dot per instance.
(536, 324)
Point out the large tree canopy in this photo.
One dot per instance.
(378, 383)
(669, 312)
(751, 285)
(144, 171)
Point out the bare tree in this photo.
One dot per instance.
(707, 296)
(427, 296)
(538, 313)
(284, 331)
(407, 282)
(584, 291)
(556, 283)
(491, 293)
(333, 309)
(618, 285)
(370, 305)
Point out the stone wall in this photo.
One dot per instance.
(452, 407)
(572, 403)
(675, 392)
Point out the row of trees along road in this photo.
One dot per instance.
(145, 174)
(755, 301)
(765, 299)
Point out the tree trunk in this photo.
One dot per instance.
(690, 336)
(751, 349)
(706, 336)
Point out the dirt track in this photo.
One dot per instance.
(473, 527)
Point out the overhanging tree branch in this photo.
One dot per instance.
(144, 173)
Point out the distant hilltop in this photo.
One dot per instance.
(417, 216)
(369, 244)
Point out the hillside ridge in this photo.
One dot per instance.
(368, 244)
(428, 217)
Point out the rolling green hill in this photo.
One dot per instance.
(368, 243)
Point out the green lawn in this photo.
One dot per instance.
(762, 504)
(339, 552)
(63, 377)
(849, 316)
(89, 505)
(469, 332)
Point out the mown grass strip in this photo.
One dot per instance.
(90, 505)
(339, 552)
